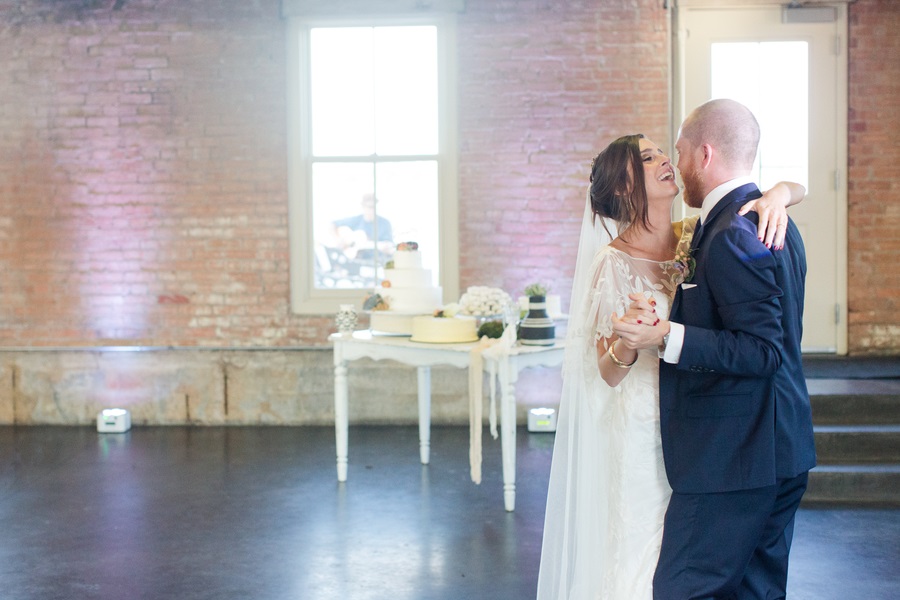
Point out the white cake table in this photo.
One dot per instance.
(362, 344)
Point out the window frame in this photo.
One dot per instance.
(305, 298)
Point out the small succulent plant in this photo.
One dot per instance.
(536, 289)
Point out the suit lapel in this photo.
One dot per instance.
(745, 192)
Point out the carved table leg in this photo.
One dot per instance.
(508, 433)
(424, 380)
(341, 416)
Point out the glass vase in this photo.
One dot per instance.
(346, 319)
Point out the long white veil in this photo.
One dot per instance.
(573, 548)
(595, 235)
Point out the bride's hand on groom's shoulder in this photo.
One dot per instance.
(772, 210)
(772, 224)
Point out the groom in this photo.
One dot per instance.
(735, 418)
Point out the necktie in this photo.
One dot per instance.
(698, 231)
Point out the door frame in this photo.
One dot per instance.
(677, 109)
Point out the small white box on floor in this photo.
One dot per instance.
(113, 420)
(542, 420)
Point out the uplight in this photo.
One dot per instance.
(113, 420)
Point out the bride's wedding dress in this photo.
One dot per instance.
(608, 491)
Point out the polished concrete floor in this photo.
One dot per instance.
(256, 513)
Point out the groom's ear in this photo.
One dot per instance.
(708, 153)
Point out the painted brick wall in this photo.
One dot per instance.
(143, 175)
(874, 178)
(544, 86)
(143, 194)
(143, 170)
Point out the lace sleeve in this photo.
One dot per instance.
(591, 310)
(609, 293)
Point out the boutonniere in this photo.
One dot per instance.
(685, 263)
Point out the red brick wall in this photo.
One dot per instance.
(143, 186)
(874, 179)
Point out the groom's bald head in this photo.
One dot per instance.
(729, 127)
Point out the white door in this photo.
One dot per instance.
(792, 75)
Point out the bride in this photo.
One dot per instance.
(608, 491)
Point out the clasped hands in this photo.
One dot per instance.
(640, 326)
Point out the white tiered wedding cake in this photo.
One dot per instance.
(407, 291)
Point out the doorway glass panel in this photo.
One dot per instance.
(772, 80)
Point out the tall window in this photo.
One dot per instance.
(372, 156)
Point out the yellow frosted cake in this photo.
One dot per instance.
(435, 330)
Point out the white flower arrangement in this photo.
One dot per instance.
(482, 301)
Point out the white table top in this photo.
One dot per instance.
(399, 341)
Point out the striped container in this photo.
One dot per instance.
(537, 328)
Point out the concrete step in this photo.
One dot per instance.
(859, 409)
(850, 444)
(854, 484)
(855, 402)
(857, 429)
(819, 366)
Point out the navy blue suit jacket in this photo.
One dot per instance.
(730, 417)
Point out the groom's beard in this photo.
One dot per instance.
(693, 189)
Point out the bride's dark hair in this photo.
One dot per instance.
(617, 192)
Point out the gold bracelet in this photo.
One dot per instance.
(615, 359)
